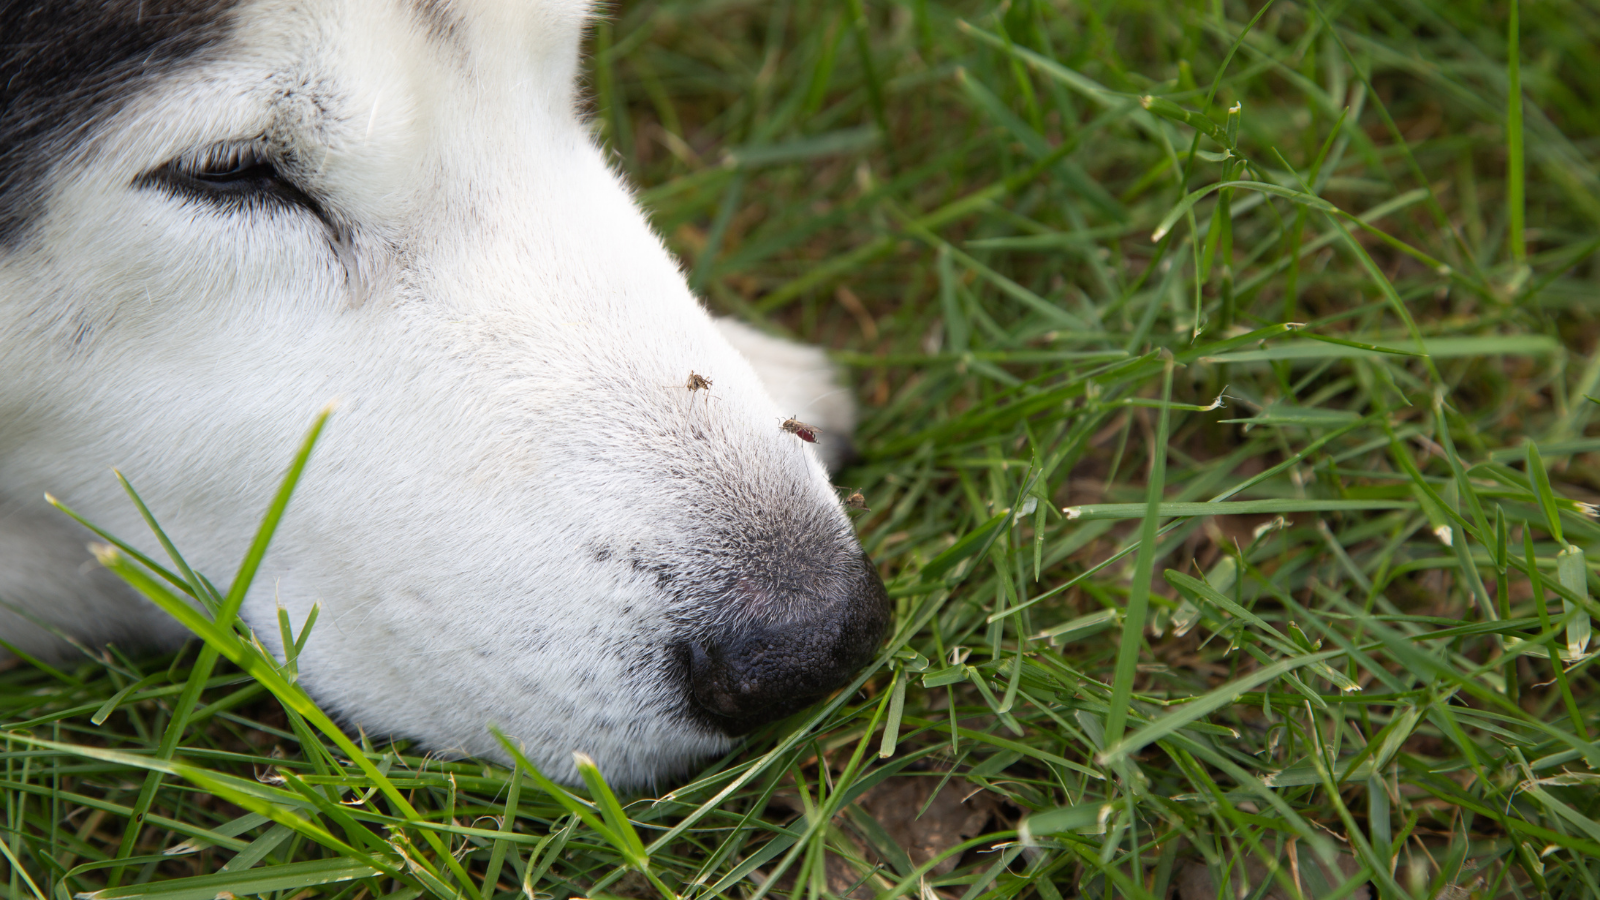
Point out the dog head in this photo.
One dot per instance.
(217, 216)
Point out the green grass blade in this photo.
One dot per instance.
(1516, 203)
(1572, 574)
(1223, 696)
(1087, 816)
(269, 522)
(171, 578)
(1095, 511)
(288, 878)
(577, 807)
(1143, 568)
(197, 588)
(491, 874)
(1547, 499)
(611, 810)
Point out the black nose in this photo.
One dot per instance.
(742, 677)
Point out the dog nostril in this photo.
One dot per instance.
(760, 674)
(717, 685)
(750, 675)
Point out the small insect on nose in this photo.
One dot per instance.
(746, 676)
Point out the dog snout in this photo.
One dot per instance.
(743, 676)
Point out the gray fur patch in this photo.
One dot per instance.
(66, 64)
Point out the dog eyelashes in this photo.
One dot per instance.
(232, 177)
(234, 163)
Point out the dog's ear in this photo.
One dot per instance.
(805, 384)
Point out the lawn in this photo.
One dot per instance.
(1226, 376)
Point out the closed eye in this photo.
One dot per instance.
(234, 177)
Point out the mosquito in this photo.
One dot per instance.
(801, 430)
(857, 501)
(697, 382)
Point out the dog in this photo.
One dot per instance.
(217, 215)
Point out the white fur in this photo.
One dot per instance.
(508, 342)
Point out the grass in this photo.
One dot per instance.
(1226, 376)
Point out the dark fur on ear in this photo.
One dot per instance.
(64, 64)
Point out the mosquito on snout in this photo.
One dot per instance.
(857, 501)
(696, 383)
(799, 429)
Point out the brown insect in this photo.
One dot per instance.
(857, 501)
(697, 382)
(800, 430)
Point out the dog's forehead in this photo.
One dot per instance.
(474, 24)
(360, 72)
(477, 37)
